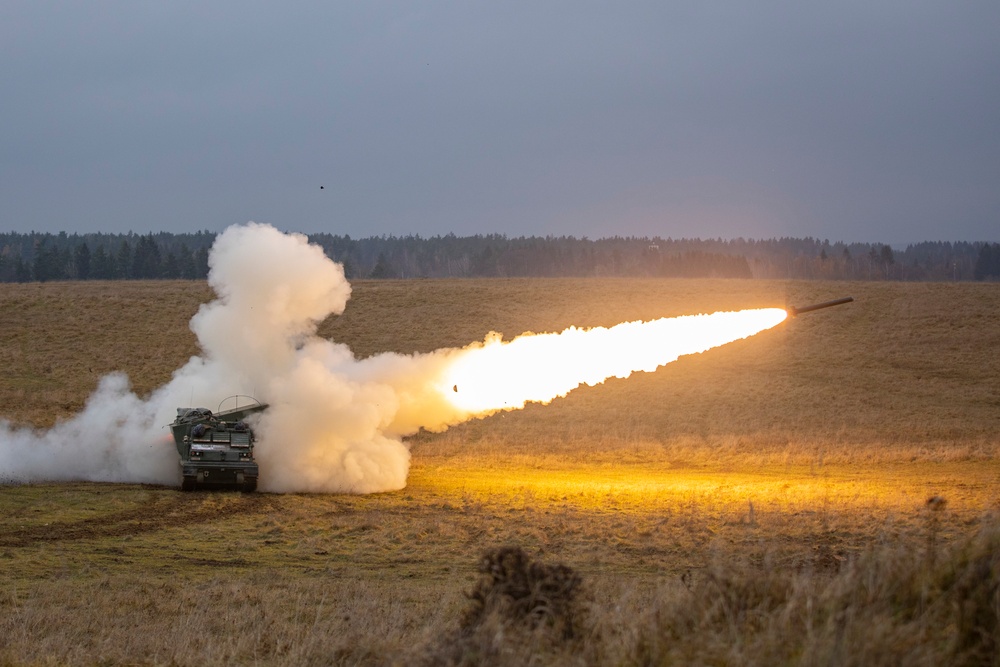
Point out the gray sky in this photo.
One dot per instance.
(848, 120)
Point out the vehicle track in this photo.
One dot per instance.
(164, 512)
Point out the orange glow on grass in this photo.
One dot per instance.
(499, 375)
(796, 493)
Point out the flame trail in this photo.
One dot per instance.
(335, 423)
(539, 368)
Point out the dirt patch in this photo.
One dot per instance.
(168, 511)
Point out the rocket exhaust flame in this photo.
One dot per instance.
(335, 423)
(539, 368)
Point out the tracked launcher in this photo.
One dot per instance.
(216, 449)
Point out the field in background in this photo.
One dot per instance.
(809, 451)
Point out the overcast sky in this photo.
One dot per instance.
(847, 120)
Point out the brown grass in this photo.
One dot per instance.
(764, 503)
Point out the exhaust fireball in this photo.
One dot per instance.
(538, 368)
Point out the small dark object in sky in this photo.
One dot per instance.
(455, 389)
(321, 187)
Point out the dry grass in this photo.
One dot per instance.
(764, 503)
(58, 339)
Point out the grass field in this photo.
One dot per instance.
(823, 493)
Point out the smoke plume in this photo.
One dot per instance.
(335, 423)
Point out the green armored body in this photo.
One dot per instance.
(216, 449)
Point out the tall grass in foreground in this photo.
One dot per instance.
(893, 604)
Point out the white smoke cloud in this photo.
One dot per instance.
(335, 423)
(258, 336)
(110, 440)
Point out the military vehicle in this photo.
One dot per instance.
(216, 449)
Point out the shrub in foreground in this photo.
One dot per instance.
(892, 605)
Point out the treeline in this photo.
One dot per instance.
(46, 257)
